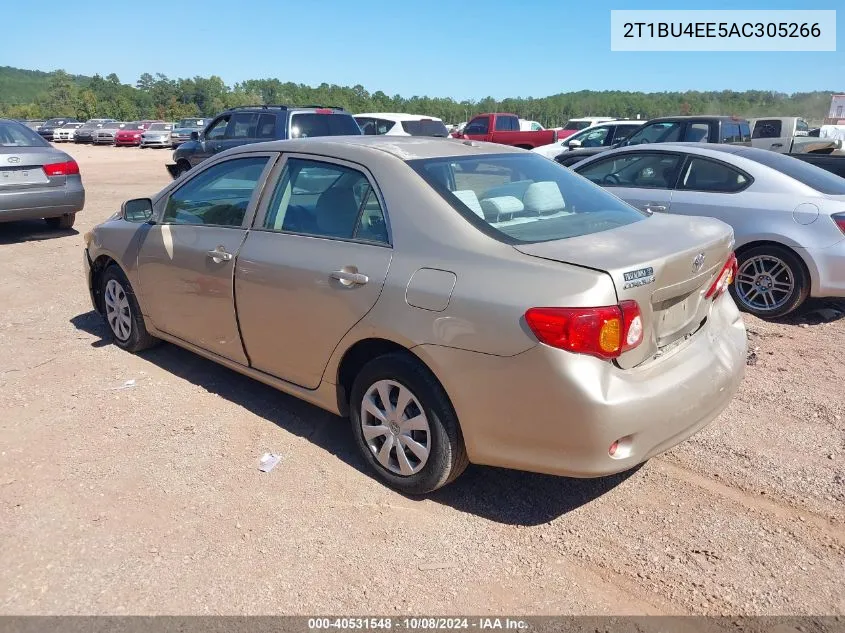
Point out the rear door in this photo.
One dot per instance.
(644, 179)
(187, 259)
(312, 266)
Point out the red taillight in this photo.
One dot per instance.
(67, 168)
(725, 278)
(605, 332)
(323, 110)
(839, 219)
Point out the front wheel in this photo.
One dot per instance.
(405, 425)
(771, 282)
(122, 312)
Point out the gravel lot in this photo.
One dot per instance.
(148, 499)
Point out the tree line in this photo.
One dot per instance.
(158, 96)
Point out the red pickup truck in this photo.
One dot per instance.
(503, 128)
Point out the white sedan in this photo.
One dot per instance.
(599, 135)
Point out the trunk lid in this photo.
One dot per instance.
(22, 167)
(664, 263)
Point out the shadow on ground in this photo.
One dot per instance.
(31, 231)
(497, 494)
(816, 311)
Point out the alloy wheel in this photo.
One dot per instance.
(764, 283)
(118, 312)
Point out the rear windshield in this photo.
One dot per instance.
(191, 123)
(814, 177)
(160, 126)
(308, 124)
(524, 198)
(425, 128)
(55, 122)
(17, 135)
(116, 125)
(71, 126)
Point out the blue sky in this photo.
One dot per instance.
(466, 49)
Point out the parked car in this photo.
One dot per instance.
(602, 135)
(696, 129)
(788, 216)
(789, 135)
(105, 135)
(130, 135)
(65, 133)
(181, 132)
(503, 128)
(400, 124)
(437, 335)
(576, 125)
(49, 126)
(157, 135)
(254, 124)
(36, 179)
(85, 134)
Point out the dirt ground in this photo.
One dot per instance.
(148, 499)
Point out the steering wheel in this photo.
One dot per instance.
(611, 179)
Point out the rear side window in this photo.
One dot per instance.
(697, 133)
(328, 200)
(643, 170)
(17, 135)
(219, 195)
(507, 123)
(801, 128)
(266, 126)
(708, 175)
(309, 124)
(425, 128)
(766, 129)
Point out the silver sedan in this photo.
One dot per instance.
(459, 301)
(36, 179)
(788, 216)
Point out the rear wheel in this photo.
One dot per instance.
(405, 425)
(181, 167)
(771, 282)
(62, 222)
(122, 312)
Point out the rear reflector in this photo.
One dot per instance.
(839, 219)
(68, 168)
(725, 278)
(605, 332)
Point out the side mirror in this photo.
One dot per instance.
(195, 136)
(139, 210)
(574, 143)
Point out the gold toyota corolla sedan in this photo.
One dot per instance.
(459, 301)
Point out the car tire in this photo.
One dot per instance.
(62, 222)
(771, 281)
(181, 168)
(434, 425)
(122, 313)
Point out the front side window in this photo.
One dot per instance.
(708, 175)
(594, 137)
(326, 200)
(242, 125)
(662, 132)
(801, 128)
(480, 125)
(642, 170)
(217, 196)
(217, 130)
(730, 133)
(624, 131)
(519, 198)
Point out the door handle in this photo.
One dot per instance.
(219, 255)
(349, 278)
(777, 144)
(658, 208)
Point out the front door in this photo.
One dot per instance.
(187, 260)
(643, 179)
(211, 140)
(312, 266)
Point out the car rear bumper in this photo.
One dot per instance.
(550, 411)
(827, 270)
(125, 141)
(43, 202)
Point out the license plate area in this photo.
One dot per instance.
(11, 176)
(677, 317)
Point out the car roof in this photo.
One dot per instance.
(399, 116)
(403, 147)
(698, 117)
(712, 150)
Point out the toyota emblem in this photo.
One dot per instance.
(14, 159)
(698, 262)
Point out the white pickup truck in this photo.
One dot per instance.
(789, 135)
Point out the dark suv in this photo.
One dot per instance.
(254, 124)
(674, 129)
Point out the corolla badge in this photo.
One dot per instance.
(14, 159)
(698, 262)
